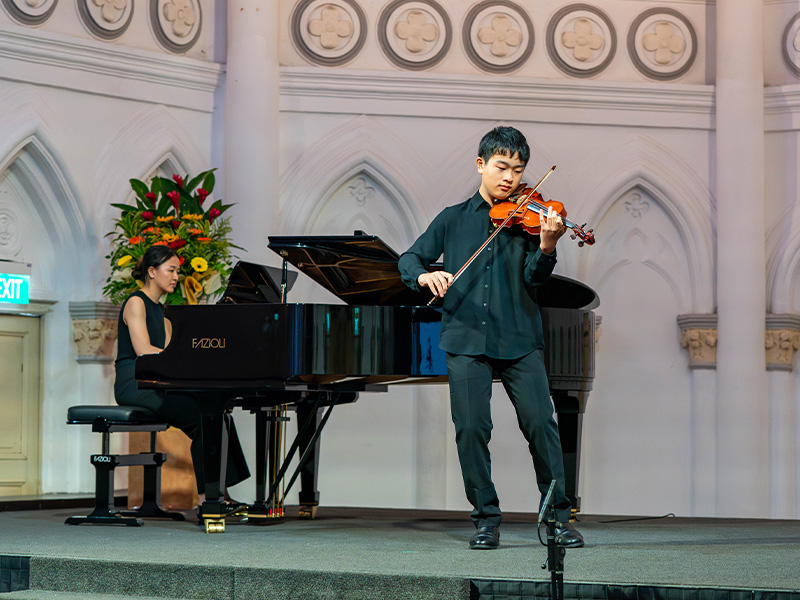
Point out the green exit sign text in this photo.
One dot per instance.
(15, 282)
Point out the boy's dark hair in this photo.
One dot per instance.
(154, 257)
(506, 141)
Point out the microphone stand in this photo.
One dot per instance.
(555, 553)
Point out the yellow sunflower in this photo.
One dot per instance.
(199, 264)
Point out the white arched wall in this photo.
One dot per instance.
(647, 269)
(60, 249)
(783, 297)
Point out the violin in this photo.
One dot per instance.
(524, 209)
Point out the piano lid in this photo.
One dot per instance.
(361, 269)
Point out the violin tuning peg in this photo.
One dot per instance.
(580, 244)
(584, 225)
(572, 236)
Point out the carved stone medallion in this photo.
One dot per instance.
(662, 44)
(414, 35)
(176, 23)
(581, 41)
(30, 12)
(328, 32)
(107, 19)
(497, 36)
(791, 45)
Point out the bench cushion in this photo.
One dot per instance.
(86, 414)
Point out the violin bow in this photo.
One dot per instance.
(523, 203)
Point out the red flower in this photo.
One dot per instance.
(180, 260)
(160, 243)
(177, 244)
(213, 214)
(175, 197)
(178, 179)
(147, 215)
(201, 195)
(137, 239)
(175, 223)
(152, 197)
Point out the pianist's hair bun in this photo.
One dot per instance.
(154, 257)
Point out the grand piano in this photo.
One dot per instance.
(257, 351)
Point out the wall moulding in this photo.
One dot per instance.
(436, 95)
(55, 60)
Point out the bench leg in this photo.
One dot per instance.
(151, 496)
(104, 510)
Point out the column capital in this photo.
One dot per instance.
(699, 337)
(782, 341)
(94, 330)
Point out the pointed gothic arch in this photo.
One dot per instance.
(152, 142)
(640, 163)
(357, 145)
(32, 167)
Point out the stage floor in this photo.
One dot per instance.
(683, 552)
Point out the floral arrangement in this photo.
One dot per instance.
(170, 212)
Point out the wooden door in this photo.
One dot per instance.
(19, 405)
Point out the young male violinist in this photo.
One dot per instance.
(491, 324)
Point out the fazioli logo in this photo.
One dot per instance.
(208, 343)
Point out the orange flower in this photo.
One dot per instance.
(204, 240)
(137, 239)
(195, 231)
(160, 243)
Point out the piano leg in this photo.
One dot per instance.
(212, 422)
(570, 424)
(309, 494)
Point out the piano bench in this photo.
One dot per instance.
(106, 420)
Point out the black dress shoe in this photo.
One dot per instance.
(567, 536)
(486, 538)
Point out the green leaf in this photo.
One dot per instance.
(139, 188)
(209, 181)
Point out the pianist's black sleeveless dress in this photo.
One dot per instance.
(176, 409)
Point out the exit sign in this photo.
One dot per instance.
(15, 282)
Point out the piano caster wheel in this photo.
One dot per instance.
(307, 512)
(215, 525)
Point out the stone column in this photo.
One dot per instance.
(699, 338)
(252, 96)
(782, 342)
(741, 403)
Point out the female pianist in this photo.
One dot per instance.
(143, 329)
